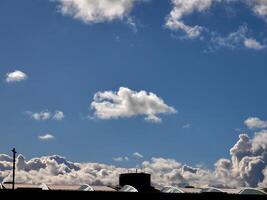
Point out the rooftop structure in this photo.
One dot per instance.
(128, 188)
(131, 189)
(140, 181)
(211, 190)
(20, 186)
(132, 182)
(171, 189)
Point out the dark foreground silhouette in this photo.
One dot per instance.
(77, 195)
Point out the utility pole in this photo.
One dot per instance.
(14, 167)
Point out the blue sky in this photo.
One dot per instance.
(214, 81)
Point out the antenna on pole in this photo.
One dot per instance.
(14, 167)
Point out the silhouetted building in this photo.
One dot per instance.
(140, 181)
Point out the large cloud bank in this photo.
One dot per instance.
(247, 167)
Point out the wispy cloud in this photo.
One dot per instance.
(232, 40)
(138, 155)
(240, 38)
(121, 159)
(185, 126)
(46, 137)
(237, 39)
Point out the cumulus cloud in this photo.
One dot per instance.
(264, 182)
(46, 115)
(128, 103)
(95, 11)
(46, 137)
(249, 158)
(16, 76)
(251, 43)
(255, 123)
(246, 168)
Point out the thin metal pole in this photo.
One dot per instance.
(14, 167)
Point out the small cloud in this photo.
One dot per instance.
(117, 38)
(46, 115)
(186, 126)
(138, 155)
(153, 119)
(39, 116)
(121, 159)
(58, 116)
(251, 43)
(16, 76)
(130, 22)
(46, 137)
(255, 123)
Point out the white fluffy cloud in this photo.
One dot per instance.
(16, 76)
(46, 115)
(183, 8)
(251, 43)
(95, 11)
(46, 137)
(247, 167)
(129, 103)
(255, 123)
